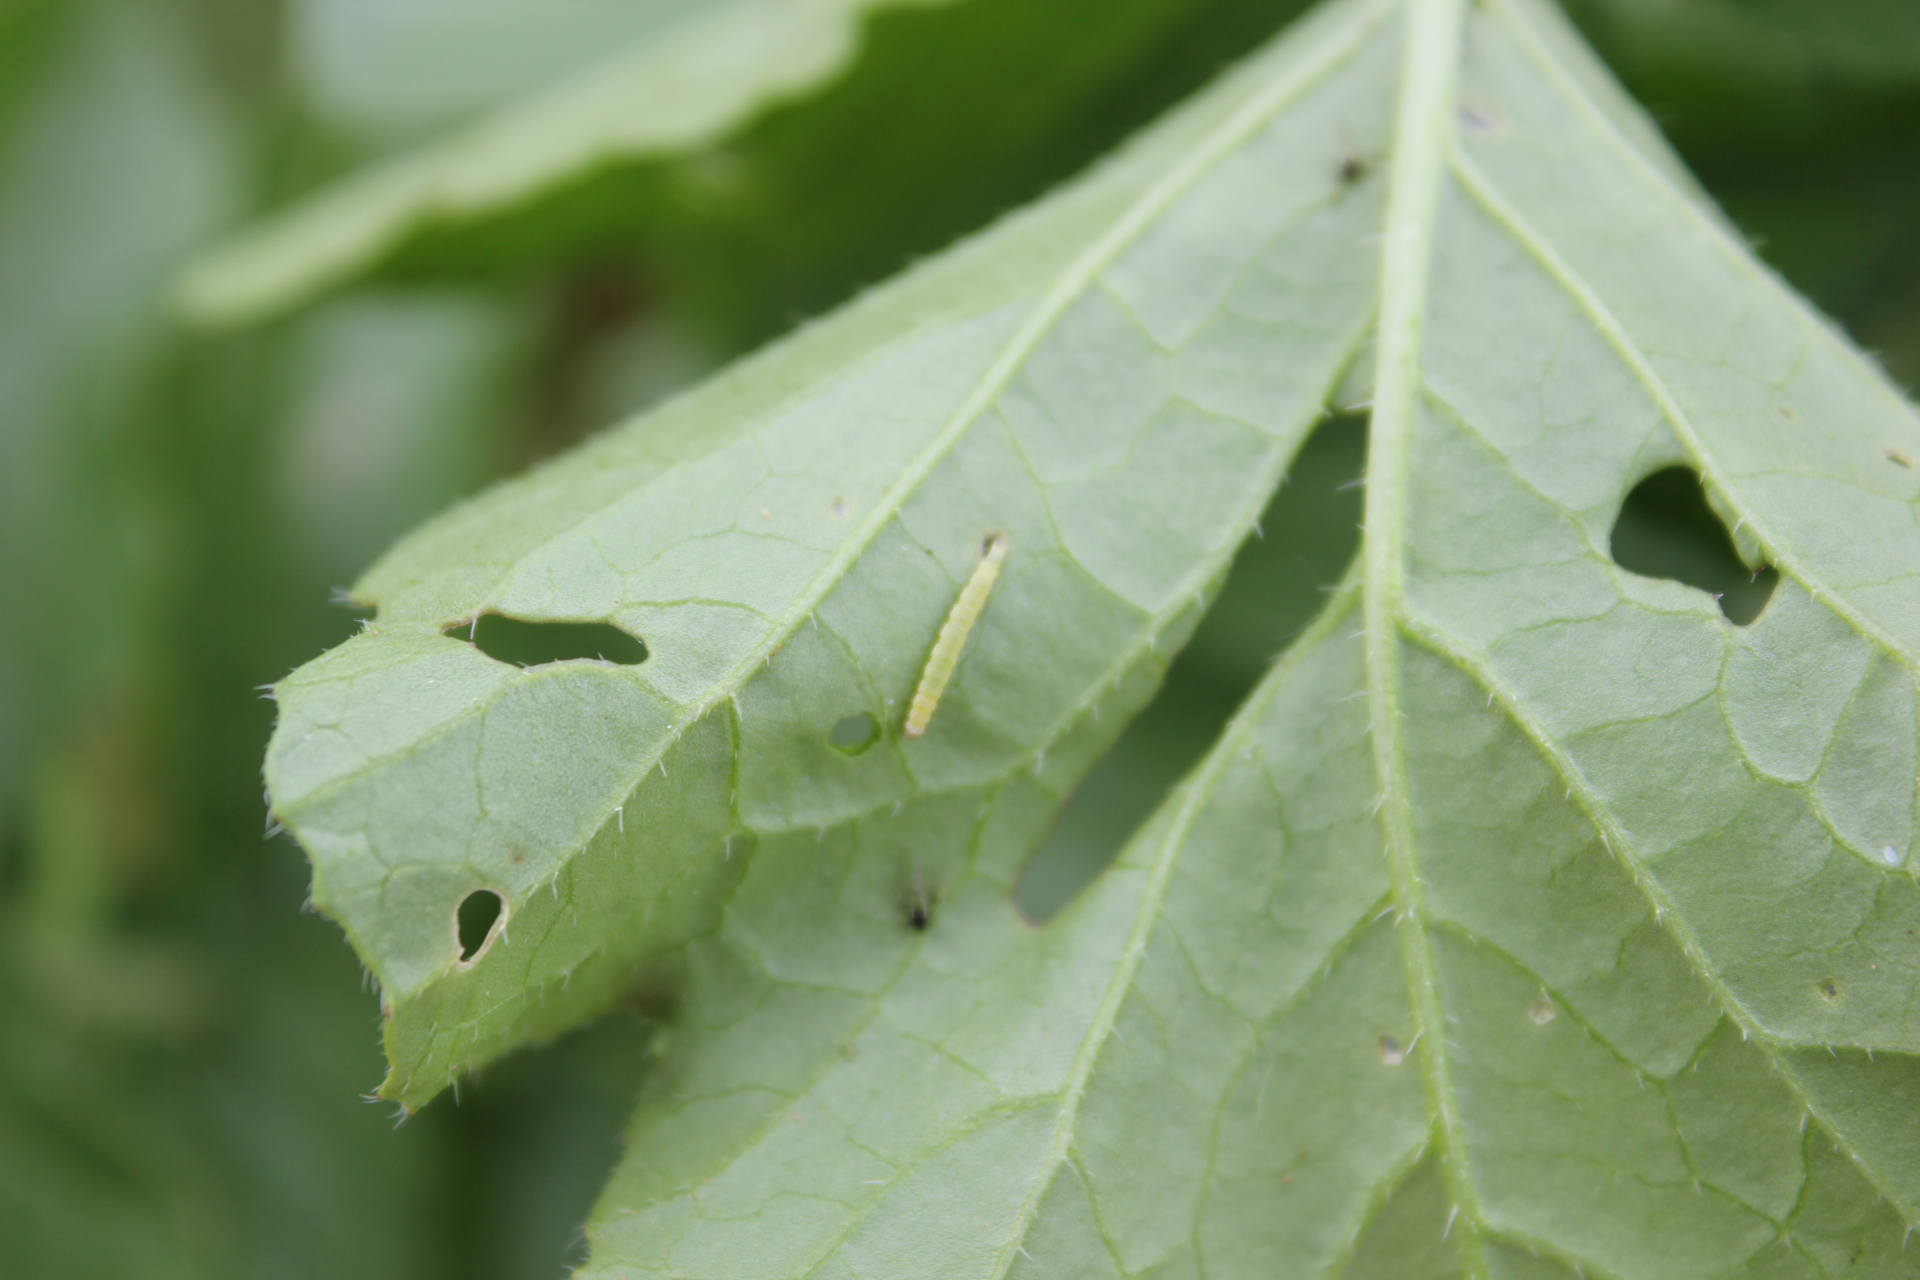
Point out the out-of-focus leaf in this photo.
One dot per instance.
(1533, 918)
(179, 1061)
(115, 168)
(393, 68)
(398, 412)
(682, 86)
(790, 148)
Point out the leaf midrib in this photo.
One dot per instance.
(1587, 301)
(1423, 121)
(1382, 549)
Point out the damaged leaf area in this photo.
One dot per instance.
(1539, 915)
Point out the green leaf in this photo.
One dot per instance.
(781, 540)
(112, 167)
(393, 68)
(1532, 919)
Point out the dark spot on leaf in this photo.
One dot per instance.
(1899, 459)
(853, 734)
(1353, 165)
(1392, 1052)
(1829, 990)
(918, 903)
(531, 644)
(1666, 529)
(478, 915)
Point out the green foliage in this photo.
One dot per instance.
(1535, 914)
(1371, 888)
(737, 129)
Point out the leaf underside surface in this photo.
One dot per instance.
(1530, 920)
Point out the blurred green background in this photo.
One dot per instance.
(182, 1048)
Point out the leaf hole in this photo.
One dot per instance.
(526, 643)
(853, 734)
(1667, 529)
(1278, 582)
(477, 921)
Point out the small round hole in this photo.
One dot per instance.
(478, 919)
(853, 734)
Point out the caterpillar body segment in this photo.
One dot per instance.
(953, 634)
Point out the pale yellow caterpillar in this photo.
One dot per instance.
(953, 634)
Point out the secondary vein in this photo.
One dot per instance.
(1587, 301)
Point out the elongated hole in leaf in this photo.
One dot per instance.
(1666, 529)
(475, 921)
(1278, 583)
(853, 734)
(532, 644)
